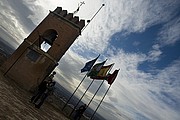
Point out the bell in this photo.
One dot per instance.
(50, 38)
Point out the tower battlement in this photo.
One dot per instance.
(63, 14)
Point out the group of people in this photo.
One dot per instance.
(44, 89)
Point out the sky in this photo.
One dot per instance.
(140, 36)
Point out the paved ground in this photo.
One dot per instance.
(15, 104)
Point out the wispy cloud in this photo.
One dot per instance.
(154, 54)
(10, 22)
(134, 89)
(169, 34)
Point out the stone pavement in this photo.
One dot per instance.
(15, 104)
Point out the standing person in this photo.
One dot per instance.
(80, 111)
(51, 76)
(42, 88)
(49, 89)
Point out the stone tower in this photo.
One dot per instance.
(30, 64)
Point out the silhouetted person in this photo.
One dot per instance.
(42, 88)
(80, 111)
(51, 76)
(49, 89)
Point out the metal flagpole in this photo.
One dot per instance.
(95, 93)
(98, 88)
(100, 103)
(78, 86)
(74, 91)
(93, 16)
(82, 97)
(83, 94)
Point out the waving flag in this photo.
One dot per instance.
(96, 68)
(89, 65)
(112, 77)
(102, 74)
(103, 71)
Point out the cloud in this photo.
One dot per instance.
(154, 54)
(136, 43)
(169, 34)
(169, 77)
(10, 22)
(38, 10)
(134, 89)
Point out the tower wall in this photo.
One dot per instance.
(29, 64)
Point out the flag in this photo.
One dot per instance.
(96, 68)
(89, 65)
(102, 74)
(112, 77)
(103, 71)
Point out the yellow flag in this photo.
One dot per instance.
(103, 71)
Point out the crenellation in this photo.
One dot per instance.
(58, 10)
(75, 19)
(69, 16)
(81, 24)
(63, 13)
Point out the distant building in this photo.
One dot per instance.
(40, 52)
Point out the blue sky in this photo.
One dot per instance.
(140, 36)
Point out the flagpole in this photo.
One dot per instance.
(78, 86)
(74, 91)
(82, 97)
(95, 93)
(93, 16)
(100, 102)
(98, 88)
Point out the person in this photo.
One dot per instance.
(51, 76)
(80, 111)
(49, 89)
(42, 88)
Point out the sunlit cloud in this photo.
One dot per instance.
(10, 23)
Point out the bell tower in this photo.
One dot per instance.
(40, 52)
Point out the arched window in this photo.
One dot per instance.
(48, 38)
